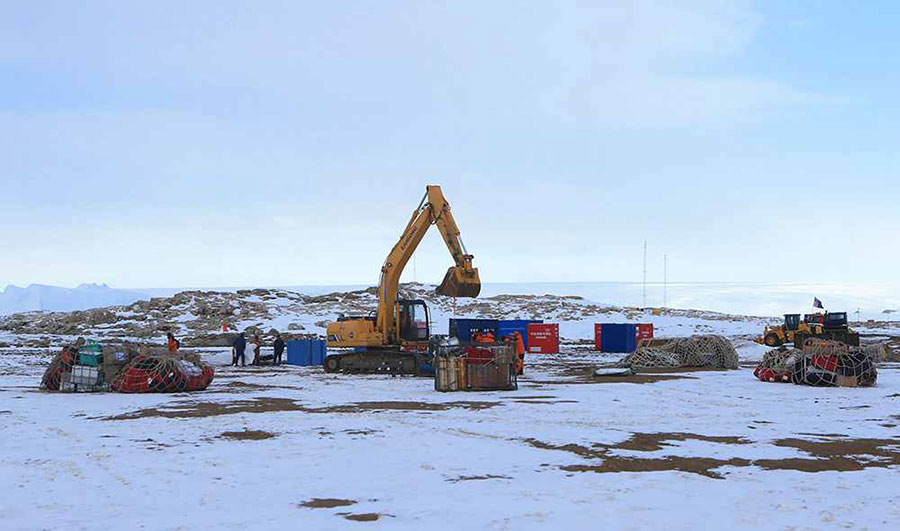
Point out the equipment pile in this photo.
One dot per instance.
(694, 351)
(822, 363)
(475, 368)
(88, 367)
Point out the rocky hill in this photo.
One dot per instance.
(198, 316)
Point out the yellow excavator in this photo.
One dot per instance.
(395, 338)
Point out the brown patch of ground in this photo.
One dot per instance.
(270, 405)
(637, 378)
(247, 435)
(695, 465)
(841, 455)
(360, 407)
(359, 432)
(651, 442)
(535, 397)
(212, 409)
(238, 386)
(476, 478)
(327, 503)
(362, 517)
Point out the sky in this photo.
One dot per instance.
(167, 144)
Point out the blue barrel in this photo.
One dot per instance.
(462, 329)
(505, 328)
(620, 338)
(305, 352)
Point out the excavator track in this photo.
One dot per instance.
(378, 361)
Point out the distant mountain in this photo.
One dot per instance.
(53, 298)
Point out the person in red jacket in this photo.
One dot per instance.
(172, 343)
(519, 344)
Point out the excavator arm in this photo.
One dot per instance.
(461, 279)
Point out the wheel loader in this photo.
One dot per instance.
(831, 326)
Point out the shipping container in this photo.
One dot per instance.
(463, 329)
(543, 338)
(644, 331)
(616, 337)
(305, 352)
(598, 336)
(507, 327)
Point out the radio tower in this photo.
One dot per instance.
(665, 279)
(645, 275)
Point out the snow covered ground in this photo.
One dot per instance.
(295, 448)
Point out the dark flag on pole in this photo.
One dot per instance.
(817, 303)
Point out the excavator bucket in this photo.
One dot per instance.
(460, 283)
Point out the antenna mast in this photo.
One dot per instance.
(645, 274)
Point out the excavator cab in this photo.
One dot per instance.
(415, 322)
(791, 321)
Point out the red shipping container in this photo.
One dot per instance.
(543, 338)
(644, 331)
(598, 335)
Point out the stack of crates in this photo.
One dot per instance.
(85, 375)
(487, 368)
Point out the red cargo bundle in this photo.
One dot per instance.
(543, 338)
(162, 374)
(478, 356)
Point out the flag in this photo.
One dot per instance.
(817, 303)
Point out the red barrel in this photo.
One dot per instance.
(543, 338)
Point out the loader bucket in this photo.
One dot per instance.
(460, 283)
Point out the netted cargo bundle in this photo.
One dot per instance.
(694, 351)
(58, 370)
(877, 352)
(834, 364)
(163, 373)
(777, 365)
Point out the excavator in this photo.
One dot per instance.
(395, 338)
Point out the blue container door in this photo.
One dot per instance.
(462, 329)
(318, 352)
(505, 328)
(299, 352)
(618, 338)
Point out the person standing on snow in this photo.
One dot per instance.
(252, 350)
(238, 349)
(279, 349)
(520, 352)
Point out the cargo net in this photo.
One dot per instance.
(163, 373)
(694, 351)
(61, 364)
(823, 364)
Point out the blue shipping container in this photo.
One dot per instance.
(462, 329)
(618, 337)
(305, 352)
(505, 328)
